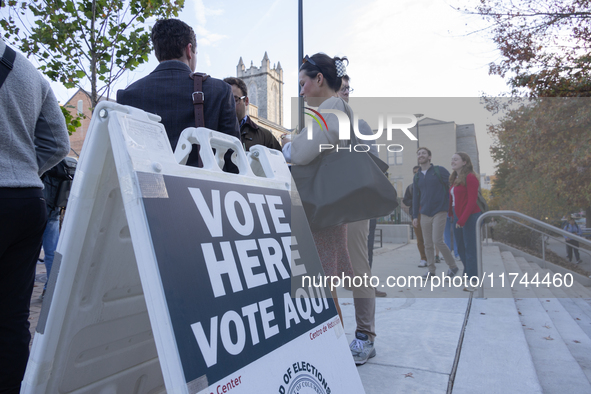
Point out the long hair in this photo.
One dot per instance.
(460, 178)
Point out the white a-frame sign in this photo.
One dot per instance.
(176, 279)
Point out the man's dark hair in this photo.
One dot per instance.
(428, 151)
(416, 168)
(325, 65)
(237, 82)
(170, 37)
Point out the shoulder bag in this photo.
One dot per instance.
(344, 186)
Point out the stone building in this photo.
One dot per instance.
(265, 93)
(265, 88)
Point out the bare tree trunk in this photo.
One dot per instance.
(588, 217)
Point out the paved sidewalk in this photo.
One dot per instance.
(418, 329)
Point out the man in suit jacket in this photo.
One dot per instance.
(168, 90)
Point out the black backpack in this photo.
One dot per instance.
(63, 191)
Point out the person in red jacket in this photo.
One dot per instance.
(463, 208)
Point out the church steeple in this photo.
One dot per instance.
(265, 64)
(265, 88)
(240, 67)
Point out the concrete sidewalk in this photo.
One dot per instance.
(417, 330)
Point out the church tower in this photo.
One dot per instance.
(265, 88)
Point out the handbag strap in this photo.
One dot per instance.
(199, 98)
(352, 137)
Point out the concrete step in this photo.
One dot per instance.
(494, 269)
(561, 350)
(495, 357)
(519, 290)
(584, 291)
(579, 310)
(575, 289)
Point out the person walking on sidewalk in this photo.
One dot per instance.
(465, 211)
(572, 227)
(431, 201)
(407, 206)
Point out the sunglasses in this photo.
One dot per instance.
(307, 59)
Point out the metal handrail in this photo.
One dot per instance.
(544, 242)
(480, 291)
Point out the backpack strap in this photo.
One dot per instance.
(199, 98)
(438, 174)
(6, 63)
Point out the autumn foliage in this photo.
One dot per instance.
(75, 41)
(543, 142)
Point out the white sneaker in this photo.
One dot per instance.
(362, 348)
(423, 263)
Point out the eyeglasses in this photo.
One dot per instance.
(236, 99)
(346, 89)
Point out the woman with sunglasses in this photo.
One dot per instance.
(320, 79)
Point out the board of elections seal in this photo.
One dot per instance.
(303, 378)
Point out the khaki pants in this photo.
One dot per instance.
(364, 297)
(420, 240)
(433, 228)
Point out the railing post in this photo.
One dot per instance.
(480, 290)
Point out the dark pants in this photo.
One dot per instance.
(569, 250)
(371, 240)
(466, 241)
(22, 221)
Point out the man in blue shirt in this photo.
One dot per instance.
(431, 201)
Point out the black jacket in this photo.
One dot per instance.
(252, 134)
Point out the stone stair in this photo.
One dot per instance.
(556, 322)
(525, 339)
